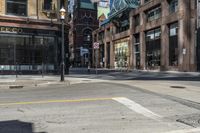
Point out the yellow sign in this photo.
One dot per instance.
(11, 30)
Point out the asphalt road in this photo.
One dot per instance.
(95, 107)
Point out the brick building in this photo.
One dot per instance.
(83, 22)
(30, 36)
(150, 34)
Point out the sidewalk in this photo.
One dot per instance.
(75, 76)
(188, 94)
(124, 70)
(11, 81)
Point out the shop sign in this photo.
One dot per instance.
(11, 30)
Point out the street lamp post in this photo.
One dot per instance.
(62, 17)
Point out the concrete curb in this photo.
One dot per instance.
(19, 85)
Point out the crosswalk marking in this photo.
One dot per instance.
(138, 108)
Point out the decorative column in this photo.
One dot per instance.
(112, 55)
(164, 37)
(141, 2)
(193, 53)
(184, 35)
(131, 42)
(142, 41)
(105, 48)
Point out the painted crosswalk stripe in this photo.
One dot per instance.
(138, 108)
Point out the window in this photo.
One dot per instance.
(101, 35)
(153, 47)
(137, 20)
(27, 52)
(87, 36)
(173, 6)
(137, 50)
(145, 1)
(173, 44)
(16, 7)
(154, 14)
(47, 5)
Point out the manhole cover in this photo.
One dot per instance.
(193, 120)
(178, 87)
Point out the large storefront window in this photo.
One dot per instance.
(27, 53)
(16, 7)
(173, 44)
(121, 54)
(153, 47)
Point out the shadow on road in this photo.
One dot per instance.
(15, 126)
(137, 75)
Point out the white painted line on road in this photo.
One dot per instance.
(194, 130)
(138, 108)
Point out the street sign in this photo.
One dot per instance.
(83, 51)
(96, 45)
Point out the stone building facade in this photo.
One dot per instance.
(154, 35)
(30, 36)
(83, 22)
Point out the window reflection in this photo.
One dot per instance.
(27, 52)
(153, 47)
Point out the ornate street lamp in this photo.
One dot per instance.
(62, 17)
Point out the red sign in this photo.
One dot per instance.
(96, 45)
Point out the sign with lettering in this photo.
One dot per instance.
(11, 29)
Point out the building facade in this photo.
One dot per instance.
(83, 22)
(30, 36)
(150, 35)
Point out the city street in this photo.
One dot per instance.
(105, 103)
(99, 66)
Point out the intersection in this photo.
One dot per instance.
(102, 104)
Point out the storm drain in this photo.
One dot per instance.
(16, 86)
(178, 87)
(193, 120)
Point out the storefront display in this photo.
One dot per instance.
(121, 54)
(26, 50)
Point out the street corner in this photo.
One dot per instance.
(49, 83)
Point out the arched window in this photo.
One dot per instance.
(87, 35)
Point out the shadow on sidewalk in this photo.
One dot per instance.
(138, 75)
(15, 126)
